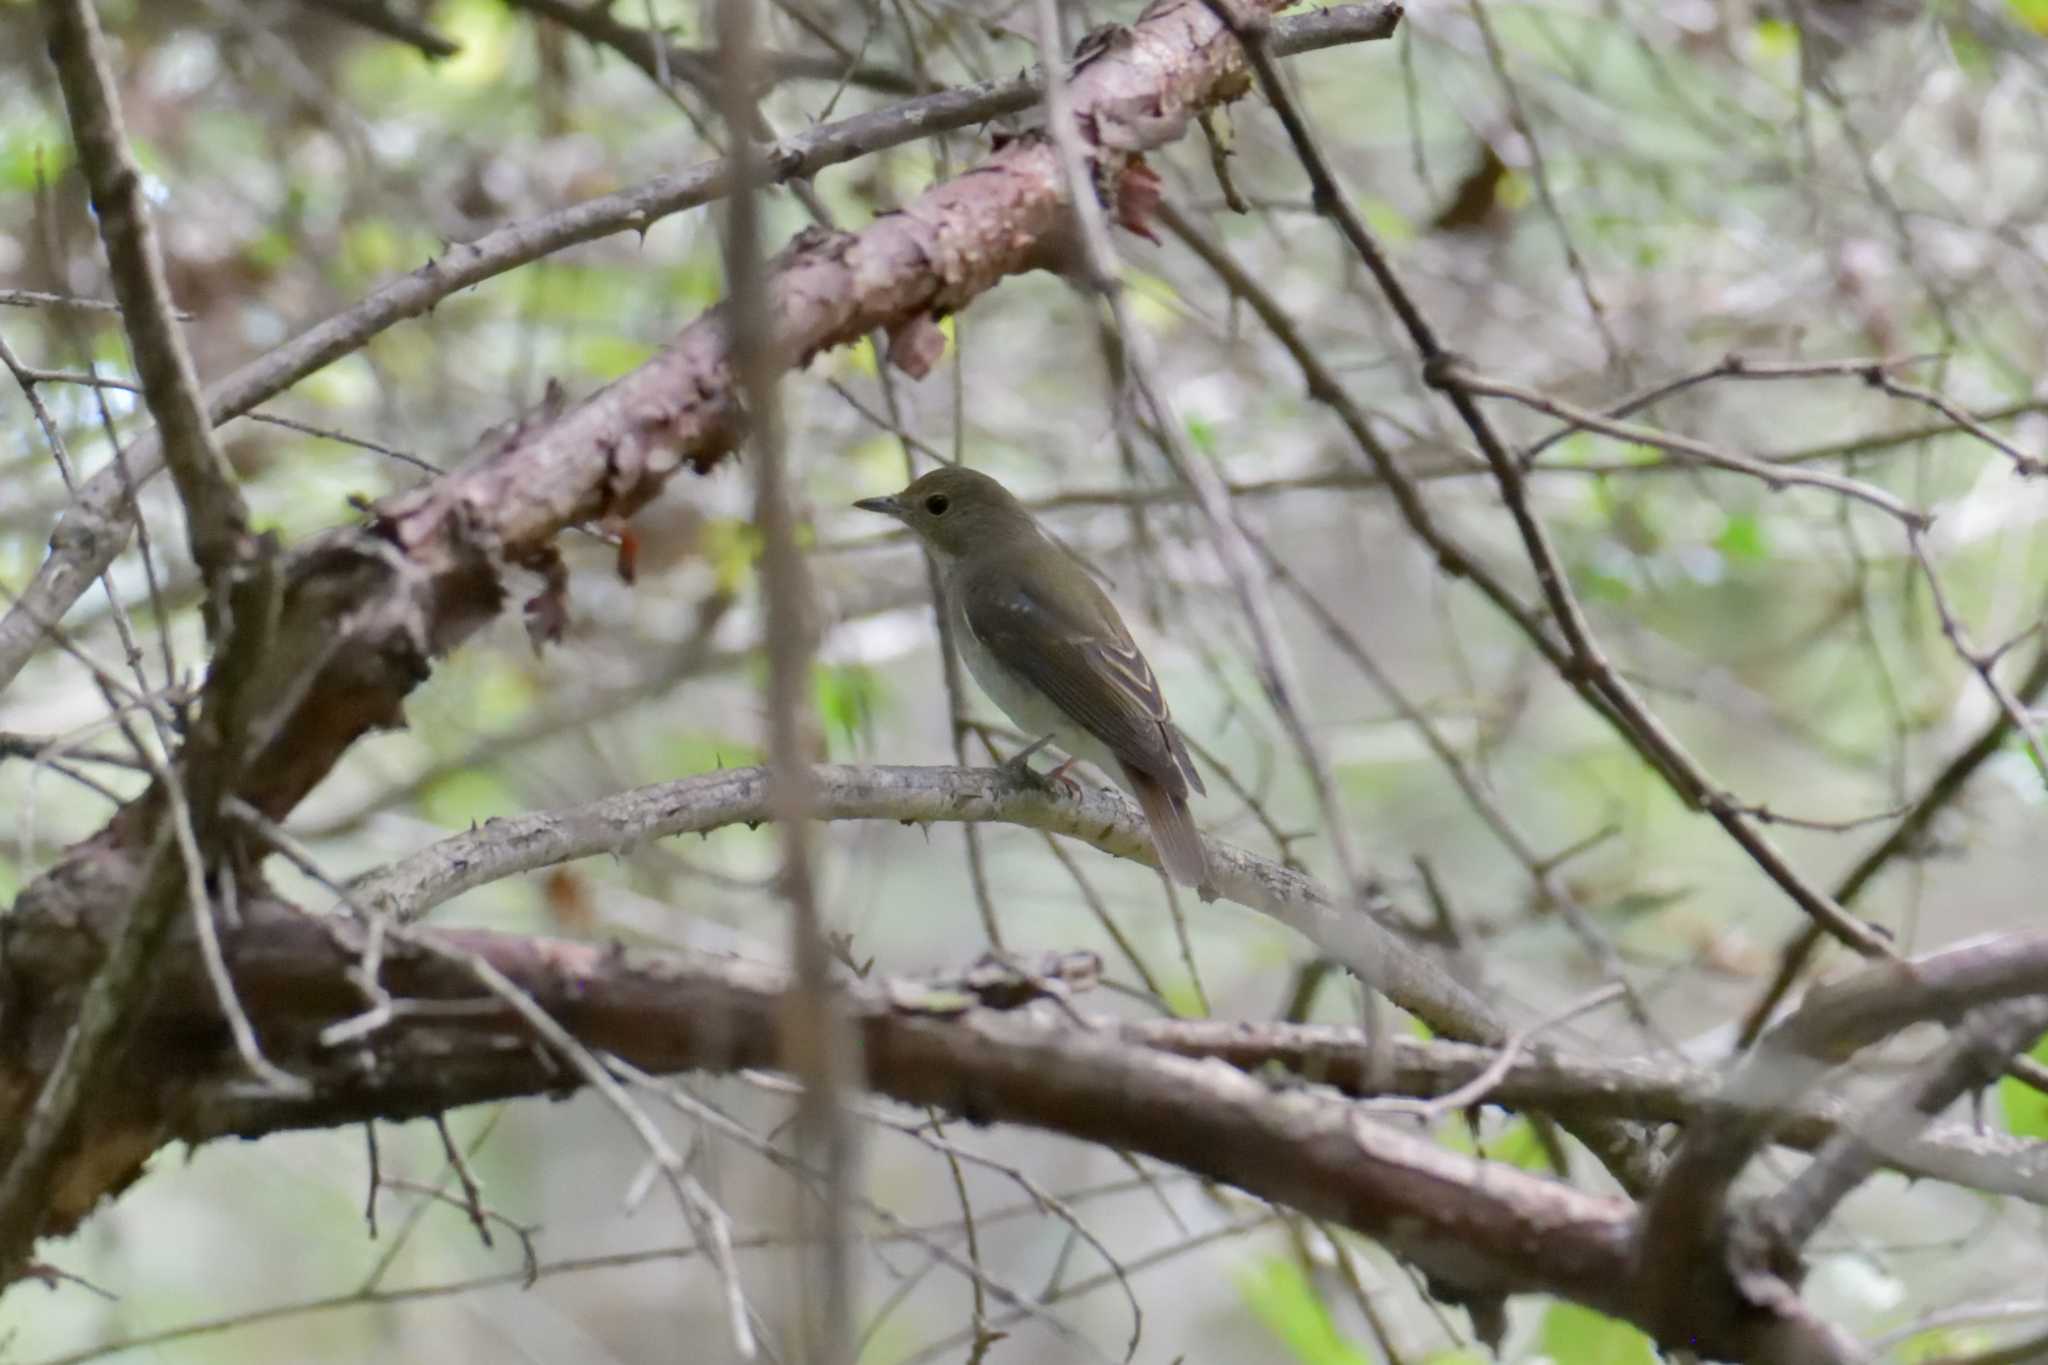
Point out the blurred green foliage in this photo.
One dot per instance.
(1293, 1310)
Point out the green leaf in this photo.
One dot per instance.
(1517, 1146)
(1742, 538)
(270, 250)
(1776, 40)
(2025, 1108)
(1945, 1343)
(1972, 56)
(1183, 999)
(608, 355)
(501, 694)
(468, 797)
(33, 148)
(847, 697)
(2032, 13)
(373, 248)
(1154, 301)
(1580, 447)
(1281, 1296)
(1579, 1336)
(732, 547)
(487, 34)
(1388, 223)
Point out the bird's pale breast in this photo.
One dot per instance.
(1029, 709)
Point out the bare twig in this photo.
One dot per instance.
(1773, 476)
(1905, 837)
(378, 17)
(1479, 1087)
(217, 522)
(706, 68)
(36, 298)
(1587, 668)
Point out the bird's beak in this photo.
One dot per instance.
(890, 506)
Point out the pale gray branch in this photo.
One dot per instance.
(1101, 818)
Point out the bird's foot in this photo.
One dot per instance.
(1018, 766)
(1058, 777)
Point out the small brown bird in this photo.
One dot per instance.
(1048, 646)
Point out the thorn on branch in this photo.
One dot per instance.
(917, 345)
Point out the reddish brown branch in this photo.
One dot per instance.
(1475, 1227)
(97, 524)
(611, 453)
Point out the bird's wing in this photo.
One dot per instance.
(1062, 635)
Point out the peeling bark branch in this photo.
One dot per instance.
(95, 527)
(611, 453)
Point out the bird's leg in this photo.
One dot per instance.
(1018, 765)
(1059, 775)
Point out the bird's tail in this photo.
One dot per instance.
(1173, 828)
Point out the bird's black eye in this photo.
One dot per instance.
(937, 504)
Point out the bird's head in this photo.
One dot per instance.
(954, 509)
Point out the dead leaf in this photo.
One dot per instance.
(915, 346)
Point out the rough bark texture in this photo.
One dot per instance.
(978, 1051)
(365, 610)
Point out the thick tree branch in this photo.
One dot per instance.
(1974, 1058)
(1685, 1222)
(1572, 1084)
(1908, 834)
(980, 1052)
